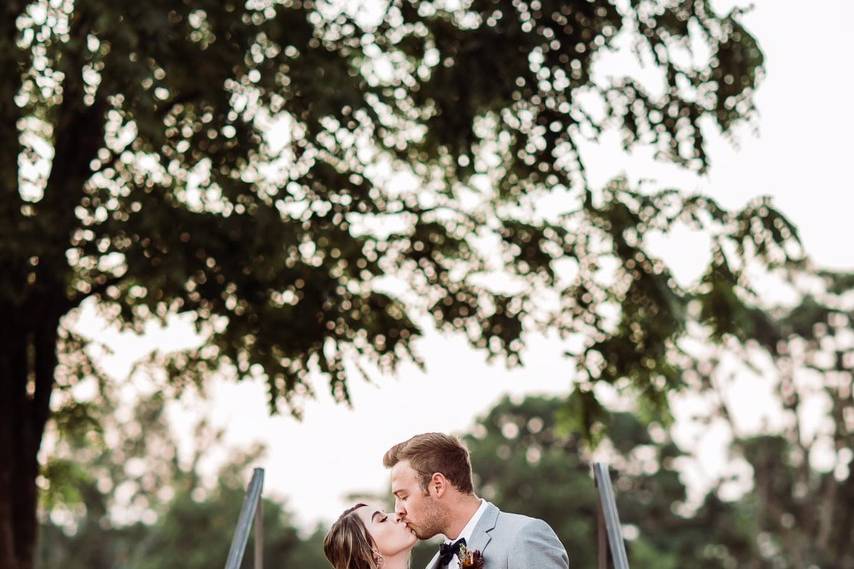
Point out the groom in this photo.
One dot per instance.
(433, 494)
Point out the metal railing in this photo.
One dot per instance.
(251, 509)
(609, 521)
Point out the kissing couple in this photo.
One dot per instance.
(431, 480)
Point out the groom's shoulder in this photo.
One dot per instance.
(515, 519)
(517, 522)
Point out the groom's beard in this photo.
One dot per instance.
(433, 523)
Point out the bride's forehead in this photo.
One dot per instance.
(369, 511)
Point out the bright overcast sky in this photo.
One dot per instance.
(800, 157)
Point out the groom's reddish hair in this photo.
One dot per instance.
(430, 453)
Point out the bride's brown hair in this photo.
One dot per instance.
(348, 545)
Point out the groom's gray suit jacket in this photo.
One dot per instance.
(513, 541)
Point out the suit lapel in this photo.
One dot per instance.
(480, 537)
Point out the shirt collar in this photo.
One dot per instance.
(469, 527)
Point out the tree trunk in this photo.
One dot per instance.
(27, 364)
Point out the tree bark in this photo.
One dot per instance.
(27, 364)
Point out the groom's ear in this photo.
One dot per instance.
(438, 485)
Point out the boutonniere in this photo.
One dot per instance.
(470, 558)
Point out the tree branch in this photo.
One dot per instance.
(79, 132)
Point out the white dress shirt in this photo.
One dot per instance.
(466, 533)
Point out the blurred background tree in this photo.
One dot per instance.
(526, 462)
(233, 161)
(120, 496)
(797, 443)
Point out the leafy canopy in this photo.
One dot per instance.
(233, 160)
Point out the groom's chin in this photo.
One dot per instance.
(423, 536)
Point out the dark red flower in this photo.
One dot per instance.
(471, 559)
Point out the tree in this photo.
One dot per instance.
(800, 456)
(119, 496)
(140, 176)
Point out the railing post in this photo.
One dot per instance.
(601, 539)
(259, 535)
(250, 510)
(611, 517)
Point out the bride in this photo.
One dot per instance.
(368, 538)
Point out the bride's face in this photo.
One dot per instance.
(390, 535)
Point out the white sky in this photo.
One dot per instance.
(801, 158)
